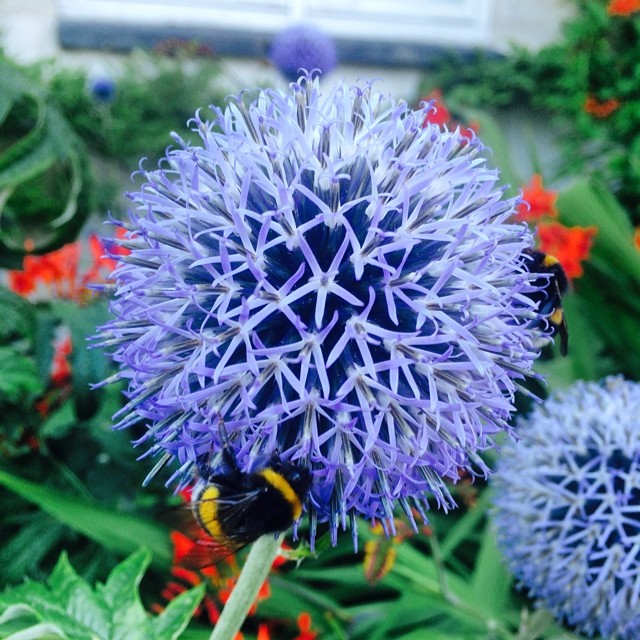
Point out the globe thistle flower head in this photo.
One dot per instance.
(336, 283)
(567, 507)
(303, 46)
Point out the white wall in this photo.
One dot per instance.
(28, 32)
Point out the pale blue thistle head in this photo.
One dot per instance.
(338, 283)
(303, 46)
(567, 507)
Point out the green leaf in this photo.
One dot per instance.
(59, 423)
(88, 366)
(492, 136)
(122, 583)
(18, 318)
(19, 382)
(77, 597)
(587, 203)
(176, 616)
(464, 528)
(69, 608)
(120, 592)
(119, 532)
(491, 582)
(44, 175)
(21, 553)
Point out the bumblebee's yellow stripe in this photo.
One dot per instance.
(208, 511)
(556, 317)
(279, 482)
(549, 261)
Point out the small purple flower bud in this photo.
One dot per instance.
(103, 89)
(303, 46)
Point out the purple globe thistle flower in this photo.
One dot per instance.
(303, 46)
(568, 507)
(336, 282)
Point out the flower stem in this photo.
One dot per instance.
(255, 570)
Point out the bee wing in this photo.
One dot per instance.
(209, 552)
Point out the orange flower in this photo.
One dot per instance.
(439, 115)
(263, 632)
(58, 275)
(304, 625)
(636, 238)
(541, 202)
(623, 7)
(570, 245)
(600, 109)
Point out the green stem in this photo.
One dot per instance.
(254, 573)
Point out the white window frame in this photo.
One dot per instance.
(428, 22)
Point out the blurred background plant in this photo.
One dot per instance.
(67, 145)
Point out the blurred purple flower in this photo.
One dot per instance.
(303, 46)
(567, 508)
(103, 89)
(336, 282)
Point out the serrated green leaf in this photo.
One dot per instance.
(78, 599)
(64, 580)
(124, 580)
(174, 619)
(110, 612)
(42, 631)
(120, 532)
(46, 607)
(16, 611)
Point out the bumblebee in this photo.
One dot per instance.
(234, 508)
(554, 283)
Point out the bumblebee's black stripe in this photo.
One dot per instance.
(281, 484)
(236, 514)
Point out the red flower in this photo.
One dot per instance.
(58, 273)
(263, 632)
(570, 245)
(636, 238)
(304, 625)
(600, 109)
(439, 114)
(60, 368)
(623, 7)
(538, 201)
(186, 547)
